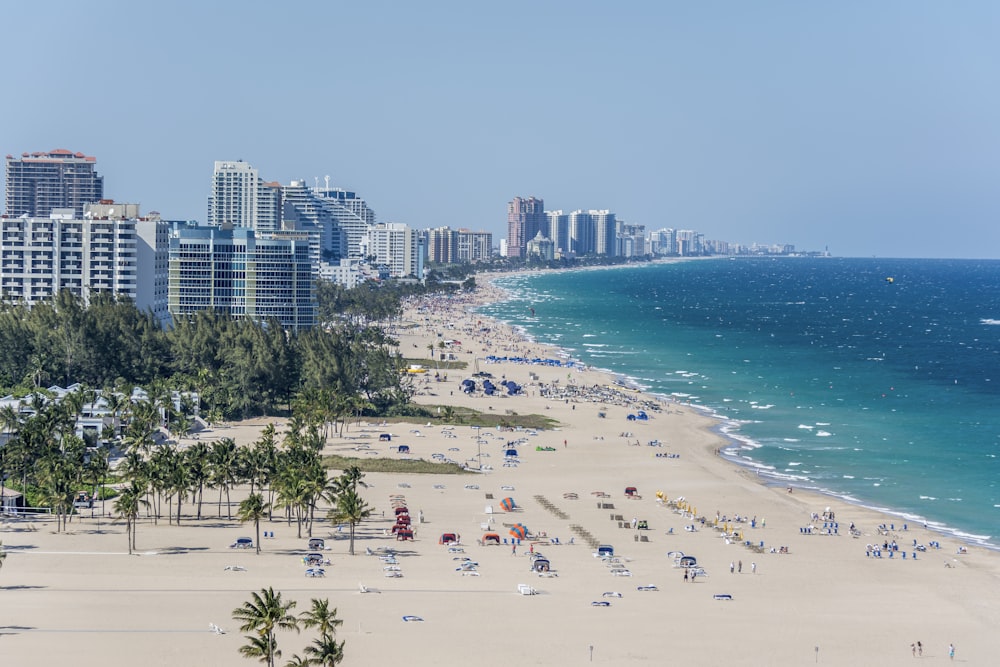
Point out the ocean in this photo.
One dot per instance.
(874, 380)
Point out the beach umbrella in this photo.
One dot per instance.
(507, 504)
(518, 531)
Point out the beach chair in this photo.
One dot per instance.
(723, 596)
(365, 589)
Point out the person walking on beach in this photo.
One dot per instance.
(739, 567)
(513, 549)
(753, 568)
(920, 649)
(913, 650)
(951, 651)
(732, 567)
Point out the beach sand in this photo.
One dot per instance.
(79, 598)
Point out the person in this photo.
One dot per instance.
(753, 568)
(920, 649)
(951, 651)
(732, 567)
(513, 549)
(913, 650)
(739, 567)
(685, 576)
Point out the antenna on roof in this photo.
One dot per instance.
(315, 182)
(327, 179)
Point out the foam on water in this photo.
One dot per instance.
(825, 349)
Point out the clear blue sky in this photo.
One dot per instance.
(871, 128)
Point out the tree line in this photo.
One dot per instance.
(240, 368)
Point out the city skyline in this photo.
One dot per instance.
(867, 129)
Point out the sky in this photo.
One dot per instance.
(862, 128)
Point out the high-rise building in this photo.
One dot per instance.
(235, 272)
(525, 218)
(442, 245)
(473, 246)
(37, 183)
(152, 254)
(95, 252)
(394, 245)
(558, 230)
(240, 198)
(352, 218)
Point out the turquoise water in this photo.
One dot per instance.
(825, 373)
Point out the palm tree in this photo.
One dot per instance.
(223, 462)
(350, 508)
(3, 555)
(265, 649)
(298, 661)
(322, 617)
(127, 506)
(325, 651)
(253, 509)
(263, 614)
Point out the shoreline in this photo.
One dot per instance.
(769, 592)
(765, 474)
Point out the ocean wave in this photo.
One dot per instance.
(823, 434)
(989, 320)
(806, 426)
(790, 440)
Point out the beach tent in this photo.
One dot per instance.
(631, 491)
(641, 415)
(687, 561)
(508, 504)
(403, 449)
(448, 538)
(403, 520)
(404, 534)
(401, 509)
(491, 538)
(385, 437)
(316, 543)
(510, 453)
(541, 565)
(605, 550)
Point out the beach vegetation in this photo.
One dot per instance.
(349, 507)
(253, 508)
(262, 615)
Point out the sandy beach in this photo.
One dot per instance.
(784, 581)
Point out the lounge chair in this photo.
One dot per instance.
(723, 596)
(365, 589)
(647, 587)
(600, 603)
(408, 618)
(612, 594)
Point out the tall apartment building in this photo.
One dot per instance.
(152, 255)
(442, 245)
(238, 273)
(37, 183)
(240, 198)
(352, 218)
(525, 218)
(558, 230)
(41, 256)
(394, 245)
(473, 246)
(631, 240)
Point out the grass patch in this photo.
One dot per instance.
(417, 466)
(451, 415)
